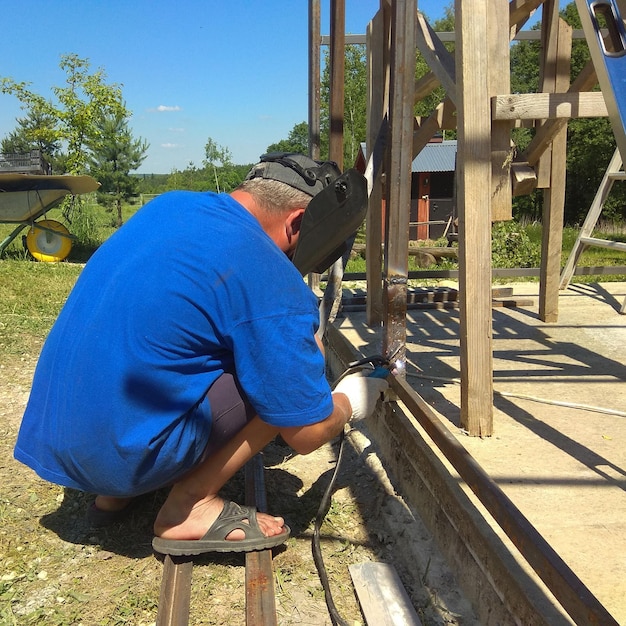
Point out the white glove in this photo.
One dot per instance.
(363, 392)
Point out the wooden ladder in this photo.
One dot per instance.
(584, 240)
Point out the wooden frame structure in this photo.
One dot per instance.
(479, 106)
(477, 81)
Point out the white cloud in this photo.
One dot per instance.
(164, 108)
(176, 130)
(170, 145)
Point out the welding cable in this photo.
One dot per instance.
(336, 619)
(522, 396)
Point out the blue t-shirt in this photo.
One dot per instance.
(189, 287)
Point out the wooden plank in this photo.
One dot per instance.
(474, 176)
(520, 11)
(383, 599)
(435, 122)
(547, 78)
(542, 106)
(337, 79)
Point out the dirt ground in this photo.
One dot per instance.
(563, 467)
(56, 570)
(558, 450)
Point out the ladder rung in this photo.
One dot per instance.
(603, 243)
(617, 175)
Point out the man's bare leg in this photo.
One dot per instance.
(112, 503)
(193, 503)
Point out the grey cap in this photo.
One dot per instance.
(296, 170)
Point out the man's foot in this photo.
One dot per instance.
(107, 510)
(236, 529)
(174, 524)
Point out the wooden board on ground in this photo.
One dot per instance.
(382, 597)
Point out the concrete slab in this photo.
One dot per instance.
(559, 447)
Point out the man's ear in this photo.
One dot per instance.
(294, 221)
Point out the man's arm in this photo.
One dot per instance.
(306, 439)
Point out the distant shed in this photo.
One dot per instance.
(432, 207)
(432, 190)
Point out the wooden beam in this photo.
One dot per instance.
(378, 84)
(499, 78)
(337, 79)
(425, 85)
(437, 120)
(520, 11)
(554, 196)
(440, 61)
(585, 81)
(314, 78)
(544, 106)
(398, 191)
(313, 279)
(474, 177)
(382, 597)
(547, 77)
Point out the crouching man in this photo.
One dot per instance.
(187, 344)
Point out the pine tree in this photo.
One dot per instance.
(114, 155)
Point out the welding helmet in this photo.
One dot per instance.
(334, 214)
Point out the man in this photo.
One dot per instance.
(187, 344)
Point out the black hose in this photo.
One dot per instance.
(336, 619)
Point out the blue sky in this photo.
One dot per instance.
(234, 71)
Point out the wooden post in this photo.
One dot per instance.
(314, 96)
(554, 196)
(378, 81)
(500, 82)
(337, 77)
(314, 78)
(332, 295)
(474, 177)
(398, 190)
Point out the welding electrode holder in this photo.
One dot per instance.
(381, 368)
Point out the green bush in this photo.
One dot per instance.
(512, 247)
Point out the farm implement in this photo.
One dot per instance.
(25, 198)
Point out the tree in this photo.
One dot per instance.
(297, 140)
(214, 155)
(114, 154)
(33, 132)
(80, 106)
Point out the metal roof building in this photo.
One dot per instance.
(436, 157)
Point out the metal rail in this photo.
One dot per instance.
(260, 599)
(568, 589)
(174, 598)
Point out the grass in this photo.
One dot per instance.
(531, 249)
